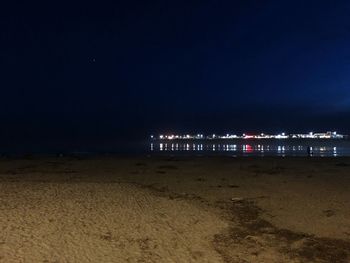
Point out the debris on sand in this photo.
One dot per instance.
(237, 199)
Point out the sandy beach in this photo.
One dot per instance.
(175, 209)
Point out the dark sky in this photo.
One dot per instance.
(99, 71)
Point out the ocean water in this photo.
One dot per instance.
(239, 147)
(235, 147)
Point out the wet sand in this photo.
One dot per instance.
(179, 209)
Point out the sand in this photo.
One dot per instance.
(175, 209)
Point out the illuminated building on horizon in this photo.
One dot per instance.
(310, 135)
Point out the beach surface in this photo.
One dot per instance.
(175, 209)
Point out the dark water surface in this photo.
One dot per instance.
(239, 147)
(233, 147)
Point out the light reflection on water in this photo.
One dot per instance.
(244, 149)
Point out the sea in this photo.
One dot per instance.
(254, 147)
(228, 147)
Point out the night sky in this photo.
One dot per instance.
(97, 72)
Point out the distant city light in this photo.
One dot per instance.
(283, 135)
